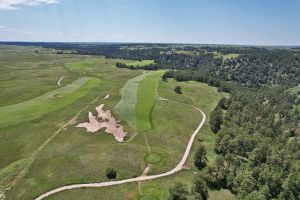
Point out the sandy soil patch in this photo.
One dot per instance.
(106, 121)
(146, 170)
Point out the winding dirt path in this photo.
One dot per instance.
(58, 82)
(179, 166)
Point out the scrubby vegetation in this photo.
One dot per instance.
(177, 89)
(200, 157)
(111, 173)
(179, 191)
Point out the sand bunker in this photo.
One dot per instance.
(104, 120)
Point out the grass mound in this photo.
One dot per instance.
(153, 158)
(148, 197)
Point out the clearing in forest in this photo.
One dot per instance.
(140, 63)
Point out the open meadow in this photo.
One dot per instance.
(45, 95)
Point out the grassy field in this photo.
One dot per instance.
(75, 156)
(225, 56)
(167, 133)
(46, 103)
(33, 75)
(82, 65)
(140, 63)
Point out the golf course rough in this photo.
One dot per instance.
(81, 65)
(137, 99)
(46, 103)
(148, 197)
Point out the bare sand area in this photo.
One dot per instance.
(106, 121)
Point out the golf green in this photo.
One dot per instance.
(153, 158)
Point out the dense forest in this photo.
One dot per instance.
(258, 143)
(277, 67)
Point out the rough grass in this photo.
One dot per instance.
(82, 65)
(225, 56)
(30, 75)
(169, 132)
(220, 195)
(140, 63)
(146, 97)
(148, 197)
(49, 102)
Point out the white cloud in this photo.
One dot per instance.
(15, 4)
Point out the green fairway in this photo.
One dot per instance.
(126, 107)
(46, 103)
(146, 97)
(138, 97)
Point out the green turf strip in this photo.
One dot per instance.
(137, 99)
(126, 107)
(46, 103)
(146, 97)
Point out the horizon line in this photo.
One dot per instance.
(180, 43)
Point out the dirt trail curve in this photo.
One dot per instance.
(58, 82)
(179, 166)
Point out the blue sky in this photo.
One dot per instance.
(252, 22)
